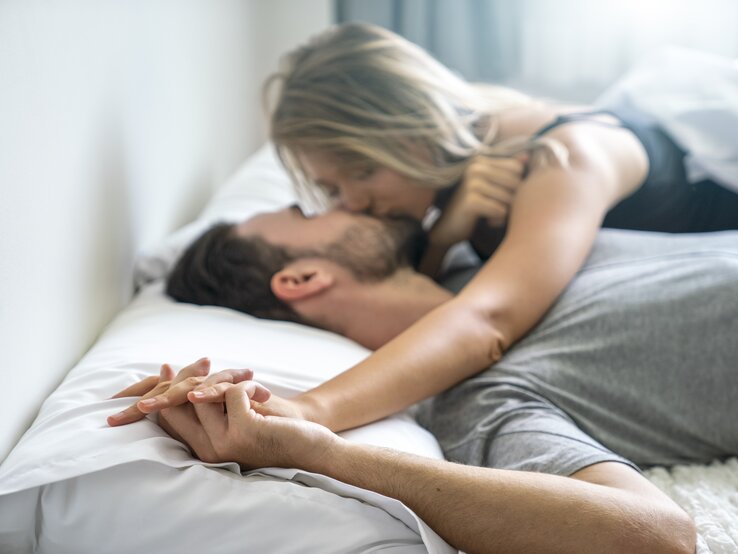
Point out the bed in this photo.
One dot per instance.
(72, 484)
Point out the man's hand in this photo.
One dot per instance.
(169, 390)
(486, 191)
(231, 430)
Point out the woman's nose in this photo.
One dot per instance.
(355, 201)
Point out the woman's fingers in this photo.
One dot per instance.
(199, 369)
(229, 376)
(516, 164)
(216, 393)
(178, 393)
(504, 182)
(138, 389)
(133, 413)
(166, 373)
(170, 390)
(188, 378)
(174, 396)
(153, 387)
(503, 172)
(488, 189)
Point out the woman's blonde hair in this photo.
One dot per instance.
(367, 97)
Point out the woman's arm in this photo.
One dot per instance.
(553, 222)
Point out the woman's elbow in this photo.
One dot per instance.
(489, 330)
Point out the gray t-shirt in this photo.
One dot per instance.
(637, 362)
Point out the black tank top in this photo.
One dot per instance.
(665, 201)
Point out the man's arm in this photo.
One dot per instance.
(608, 507)
(487, 510)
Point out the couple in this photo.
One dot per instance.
(614, 373)
(633, 366)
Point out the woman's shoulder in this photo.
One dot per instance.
(527, 120)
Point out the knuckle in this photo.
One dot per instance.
(193, 381)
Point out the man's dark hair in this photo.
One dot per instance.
(223, 269)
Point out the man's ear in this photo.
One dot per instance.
(300, 280)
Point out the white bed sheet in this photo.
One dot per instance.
(73, 484)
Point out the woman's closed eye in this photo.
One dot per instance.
(363, 174)
(330, 191)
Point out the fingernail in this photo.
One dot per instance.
(116, 416)
(198, 394)
(148, 402)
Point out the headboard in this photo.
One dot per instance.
(117, 120)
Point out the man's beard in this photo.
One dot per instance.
(375, 250)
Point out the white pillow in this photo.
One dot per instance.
(73, 484)
(261, 184)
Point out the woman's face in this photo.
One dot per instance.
(378, 191)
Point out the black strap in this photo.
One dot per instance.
(573, 117)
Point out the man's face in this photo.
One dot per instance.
(371, 248)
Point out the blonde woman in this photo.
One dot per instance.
(366, 121)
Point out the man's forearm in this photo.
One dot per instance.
(487, 510)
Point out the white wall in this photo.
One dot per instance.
(117, 120)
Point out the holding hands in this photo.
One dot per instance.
(170, 389)
(228, 417)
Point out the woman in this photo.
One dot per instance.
(381, 127)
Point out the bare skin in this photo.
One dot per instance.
(606, 507)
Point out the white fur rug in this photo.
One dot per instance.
(710, 495)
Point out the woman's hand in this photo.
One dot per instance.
(191, 384)
(486, 191)
(169, 390)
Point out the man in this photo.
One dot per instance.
(637, 357)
